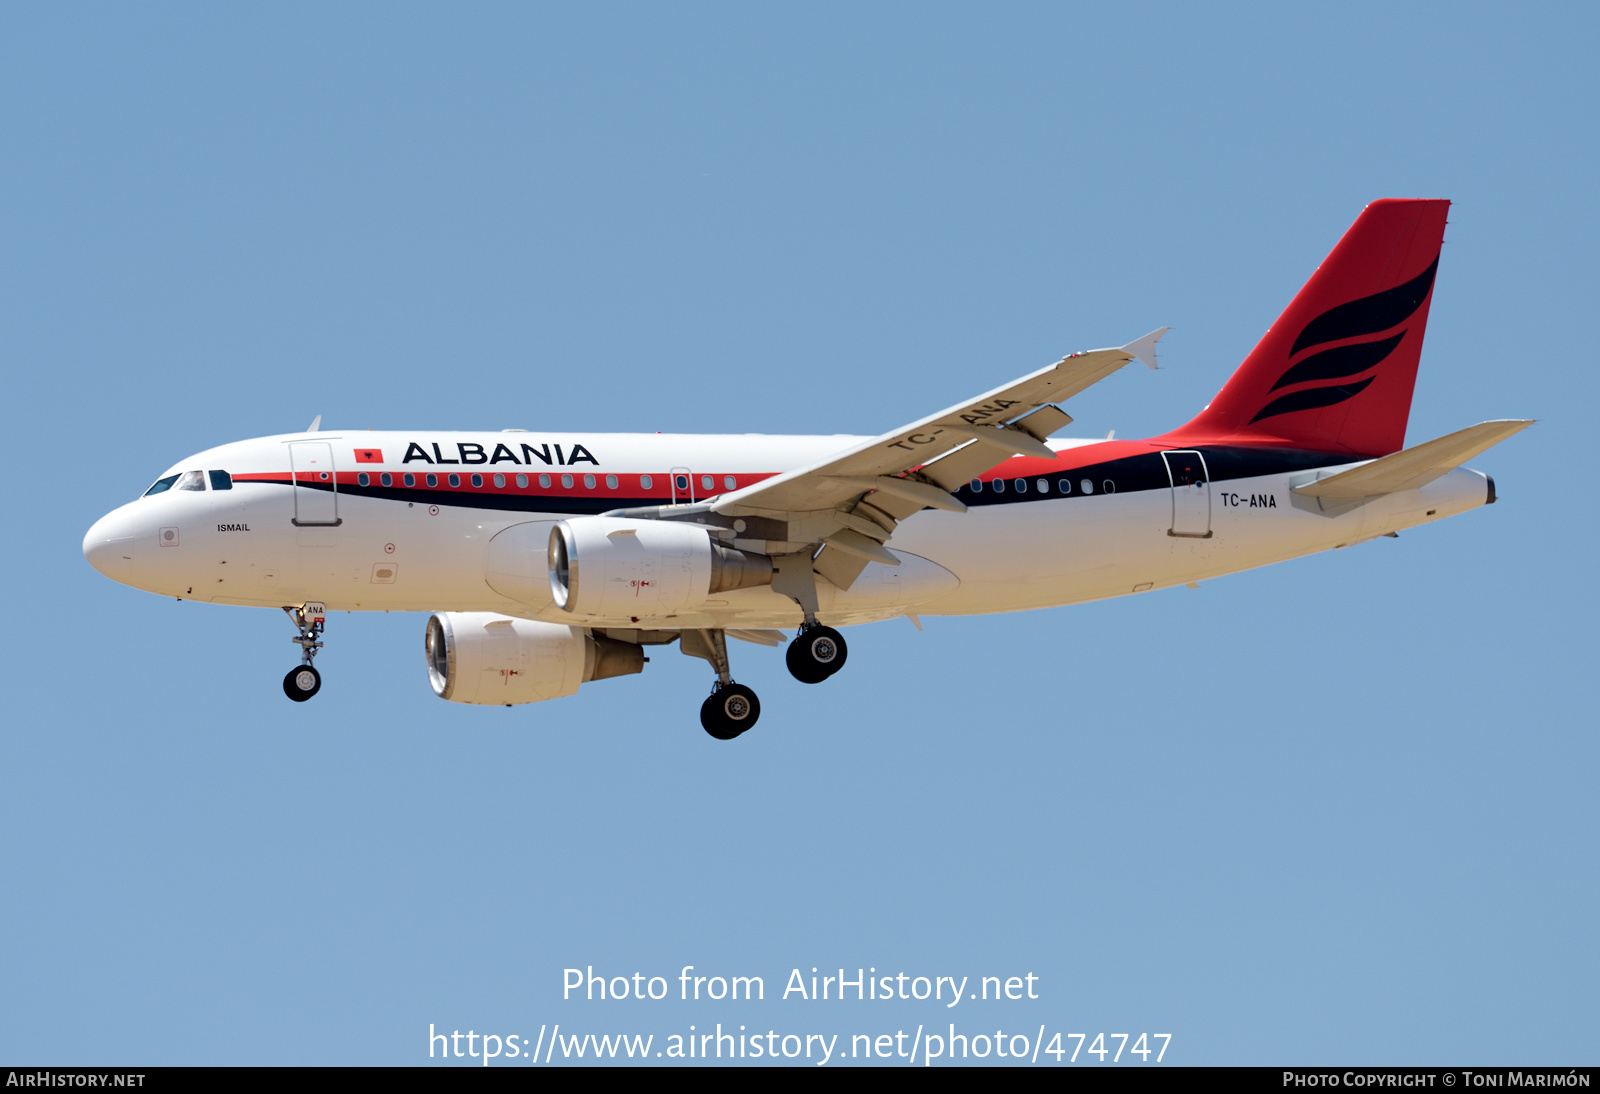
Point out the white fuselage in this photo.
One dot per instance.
(308, 517)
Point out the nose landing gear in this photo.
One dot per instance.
(304, 681)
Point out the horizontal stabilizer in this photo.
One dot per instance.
(1412, 468)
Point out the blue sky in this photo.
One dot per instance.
(1335, 810)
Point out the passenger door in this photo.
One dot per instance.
(1191, 495)
(316, 487)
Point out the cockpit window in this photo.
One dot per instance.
(220, 480)
(191, 480)
(160, 485)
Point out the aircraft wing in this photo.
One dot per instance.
(852, 501)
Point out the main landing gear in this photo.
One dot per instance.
(816, 653)
(731, 708)
(304, 681)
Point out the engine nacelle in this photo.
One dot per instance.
(604, 566)
(481, 657)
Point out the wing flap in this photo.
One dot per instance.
(854, 543)
(759, 637)
(1043, 422)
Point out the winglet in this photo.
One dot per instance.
(1145, 348)
(316, 423)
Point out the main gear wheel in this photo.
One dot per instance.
(816, 654)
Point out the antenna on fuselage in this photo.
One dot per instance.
(316, 424)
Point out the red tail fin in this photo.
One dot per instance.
(1336, 371)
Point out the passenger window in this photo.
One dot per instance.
(522, 482)
(730, 483)
(477, 479)
(1043, 485)
(544, 482)
(977, 486)
(646, 482)
(1087, 486)
(433, 480)
(1021, 485)
(707, 482)
(220, 480)
(455, 480)
(611, 482)
(999, 486)
(682, 482)
(1065, 485)
(1109, 487)
(363, 479)
(160, 485)
(566, 482)
(386, 479)
(191, 480)
(499, 480)
(588, 482)
(409, 479)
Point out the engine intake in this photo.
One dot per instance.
(604, 566)
(484, 658)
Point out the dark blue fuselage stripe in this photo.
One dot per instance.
(1148, 471)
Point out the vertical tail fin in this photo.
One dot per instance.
(1337, 369)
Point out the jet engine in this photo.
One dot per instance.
(603, 566)
(481, 657)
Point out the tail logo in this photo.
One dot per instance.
(1369, 315)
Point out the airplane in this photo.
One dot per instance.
(553, 559)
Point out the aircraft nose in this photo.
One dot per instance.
(108, 545)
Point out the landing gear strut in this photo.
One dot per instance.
(816, 653)
(731, 708)
(304, 681)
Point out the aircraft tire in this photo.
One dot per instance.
(294, 683)
(816, 655)
(730, 711)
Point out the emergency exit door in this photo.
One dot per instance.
(682, 486)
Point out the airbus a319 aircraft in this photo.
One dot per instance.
(553, 559)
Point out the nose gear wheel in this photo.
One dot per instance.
(302, 683)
